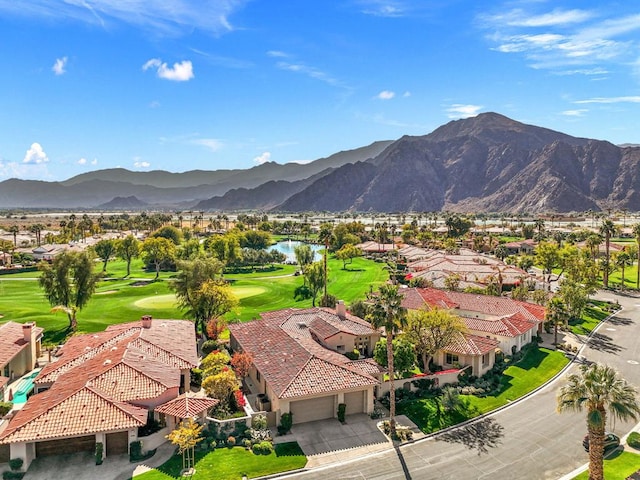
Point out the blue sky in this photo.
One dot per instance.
(208, 84)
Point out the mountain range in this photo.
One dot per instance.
(479, 164)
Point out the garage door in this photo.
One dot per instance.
(355, 402)
(67, 445)
(117, 443)
(314, 409)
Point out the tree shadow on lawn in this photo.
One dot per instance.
(480, 435)
(532, 359)
(603, 343)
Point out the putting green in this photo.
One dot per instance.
(157, 302)
(244, 291)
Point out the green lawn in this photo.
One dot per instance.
(537, 367)
(120, 300)
(232, 463)
(618, 467)
(591, 317)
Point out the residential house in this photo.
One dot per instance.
(298, 365)
(20, 346)
(102, 387)
(472, 269)
(505, 323)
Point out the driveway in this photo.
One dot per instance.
(328, 441)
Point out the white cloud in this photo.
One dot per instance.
(264, 158)
(277, 53)
(59, 67)
(628, 99)
(575, 113)
(311, 72)
(406, 94)
(458, 110)
(383, 8)
(172, 17)
(82, 161)
(94, 161)
(520, 18)
(211, 143)
(180, 72)
(139, 163)
(565, 39)
(24, 170)
(386, 95)
(35, 155)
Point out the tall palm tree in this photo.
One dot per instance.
(623, 260)
(607, 229)
(324, 235)
(597, 389)
(636, 233)
(387, 312)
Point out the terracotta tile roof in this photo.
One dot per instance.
(12, 340)
(319, 376)
(187, 405)
(55, 414)
(291, 361)
(124, 383)
(368, 366)
(323, 322)
(99, 373)
(511, 326)
(467, 344)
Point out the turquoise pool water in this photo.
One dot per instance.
(24, 387)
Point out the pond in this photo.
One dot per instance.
(287, 247)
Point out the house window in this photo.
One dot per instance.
(450, 359)
(485, 359)
(340, 348)
(258, 375)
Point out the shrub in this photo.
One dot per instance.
(633, 440)
(135, 451)
(262, 448)
(11, 475)
(196, 377)
(286, 422)
(231, 441)
(99, 448)
(328, 301)
(16, 464)
(376, 413)
(209, 346)
(355, 355)
(5, 407)
(247, 443)
(259, 422)
(342, 411)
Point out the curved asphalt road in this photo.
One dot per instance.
(527, 440)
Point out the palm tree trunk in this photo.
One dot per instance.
(392, 391)
(605, 275)
(596, 448)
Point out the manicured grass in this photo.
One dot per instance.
(591, 317)
(537, 367)
(232, 463)
(618, 467)
(119, 299)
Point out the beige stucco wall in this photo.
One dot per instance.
(350, 342)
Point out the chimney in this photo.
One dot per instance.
(146, 321)
(27, 330)
(341, 311)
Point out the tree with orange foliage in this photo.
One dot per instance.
(241, 363)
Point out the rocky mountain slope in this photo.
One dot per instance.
(485, 163)
(166, 189)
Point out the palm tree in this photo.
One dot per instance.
(556, 314)
(324, 235)
(387, 311)
(636, 233)
(607, 229)
(596, 389)
(623, 260)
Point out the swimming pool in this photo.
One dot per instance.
(24, 387)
